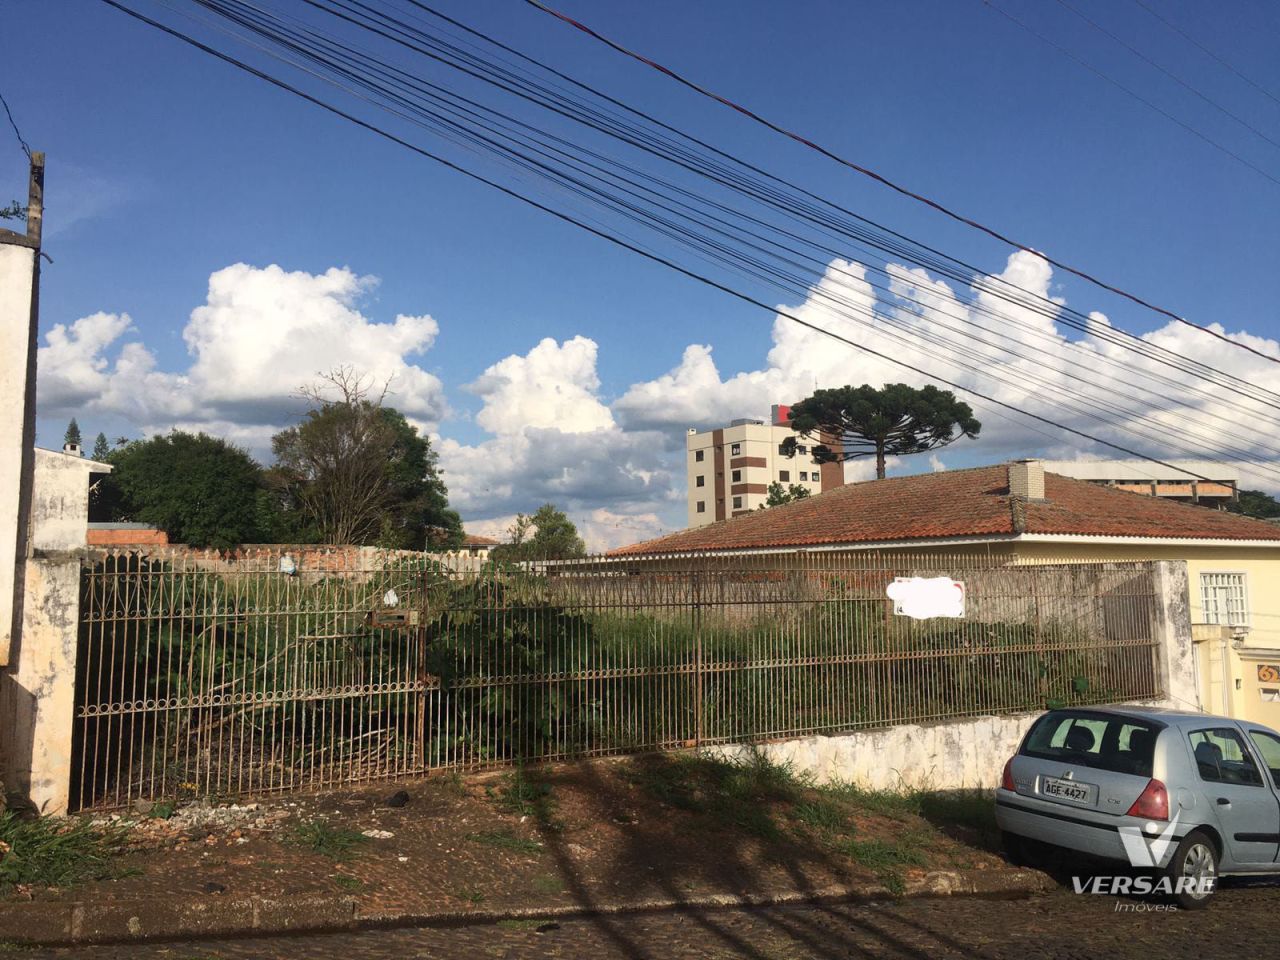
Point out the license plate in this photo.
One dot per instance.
(1068, 791)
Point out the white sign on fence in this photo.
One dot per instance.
(923, 597)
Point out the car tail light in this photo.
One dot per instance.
(1152, 802)
(1006, 779)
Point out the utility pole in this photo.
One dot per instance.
(19, 315)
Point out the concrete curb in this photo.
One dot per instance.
(77, 923)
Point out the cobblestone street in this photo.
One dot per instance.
(1062, 926)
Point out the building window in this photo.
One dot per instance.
(702, 505)
(737, 476)
(804, 475)
(735, 450)
(697, 456)
(802, 450)
(737, 503)
(784, 476)
(700, 482)
(1223, 599)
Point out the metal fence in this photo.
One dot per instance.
(202, 674)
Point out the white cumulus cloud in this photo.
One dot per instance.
(261, 335)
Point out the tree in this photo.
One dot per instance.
(778, 495)
(73, 433)
(356, 471)
(14, 211)
(198, 489)
(1255, 503)
(548, 534)
(894, 420)
(101, 449)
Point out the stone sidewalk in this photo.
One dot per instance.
(588, 839)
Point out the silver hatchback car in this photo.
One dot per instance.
(1183, 798)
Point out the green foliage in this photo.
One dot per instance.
(101, 449)
(895, 420)
(517, 670)
(548, 534)
(1255, 503)
(778, 495)
(72, 434)
(14, 211)
(336, 843)
(53, 853)
(525, 794)
(198, 489)
(505, 840)
(355, 471)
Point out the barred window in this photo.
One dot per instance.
(1223, 599)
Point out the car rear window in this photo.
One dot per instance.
(1104, 741)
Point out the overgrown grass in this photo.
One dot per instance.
(348, 882)
(336, 843)
(505, 840)
(57, 853)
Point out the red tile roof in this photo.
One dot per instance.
(475, 540)
(959, 503)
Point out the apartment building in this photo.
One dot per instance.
(730, 469)
(1202, 482)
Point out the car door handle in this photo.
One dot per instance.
(1224, 802)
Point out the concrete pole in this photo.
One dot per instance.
(19, 314)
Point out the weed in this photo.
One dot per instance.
(898, 805)
(521, 924)
(56, 853)
(525, 795)
(885, 858)
(336, 843)
(348, 882)
(820, 815)
(163, 810)
(470, 895)
(505, 840)
(548, 883)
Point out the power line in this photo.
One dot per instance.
(13, 123)
(1169, 73)
(776, 277)
(1201, 47)
(440, 51)
(603, 234)
(1129, 91)
(885, 181)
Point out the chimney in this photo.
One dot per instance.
(1026, 479)
(73, 449)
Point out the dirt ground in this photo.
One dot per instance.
(649, 827)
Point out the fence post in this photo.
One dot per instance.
(1175, 650)
(37, 693)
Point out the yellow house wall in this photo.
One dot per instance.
(1228, 675)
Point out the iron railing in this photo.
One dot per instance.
(201, 674)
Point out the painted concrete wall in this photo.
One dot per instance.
(37, 689)
(17, 275)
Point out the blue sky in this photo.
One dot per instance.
(166, 167)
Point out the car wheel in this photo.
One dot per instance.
(1195, 859)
